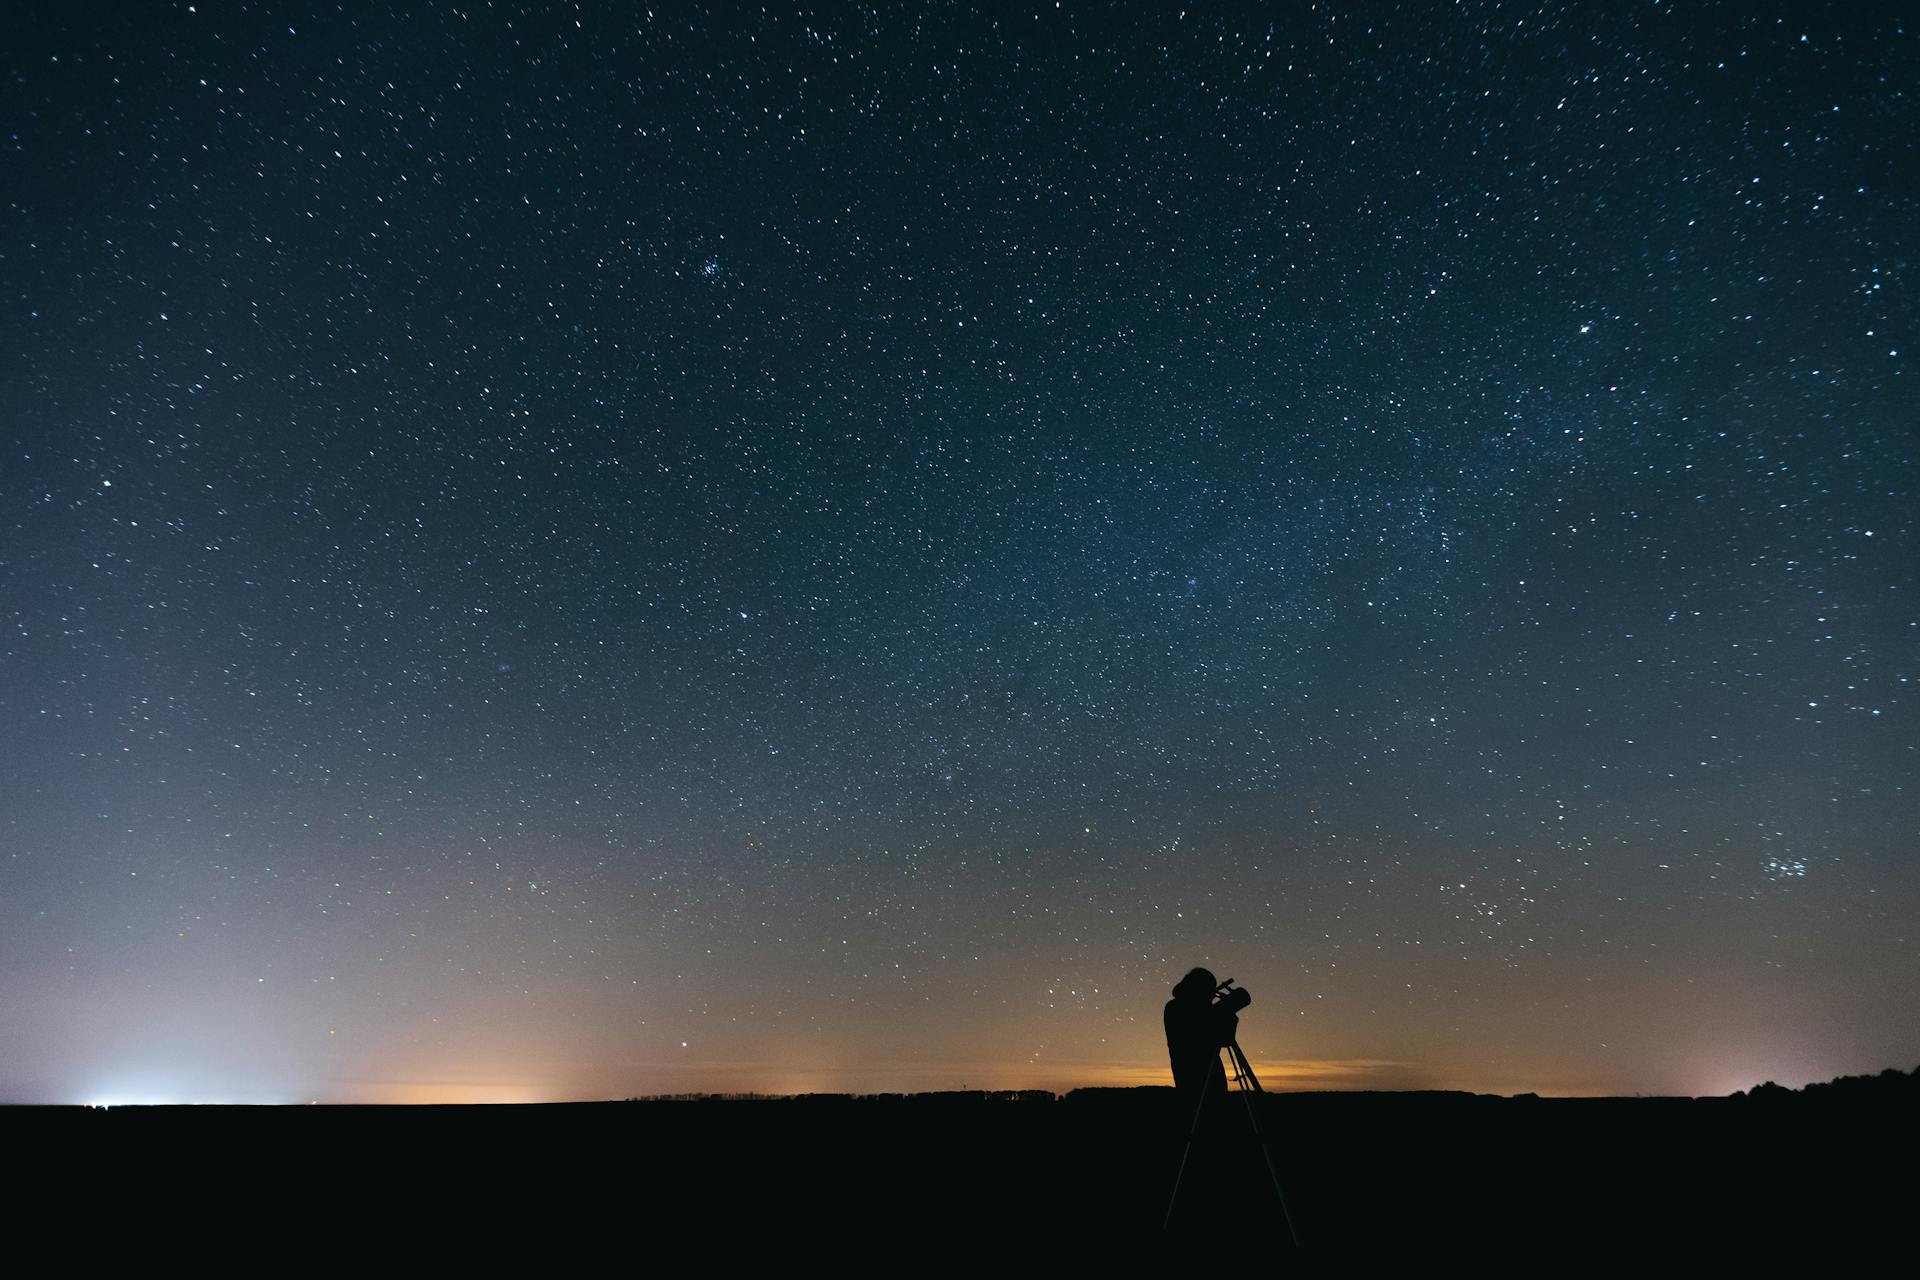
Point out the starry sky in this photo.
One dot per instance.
(570, 551)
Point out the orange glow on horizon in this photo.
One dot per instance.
(1277, 1075)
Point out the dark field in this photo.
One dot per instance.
(1366, 1174)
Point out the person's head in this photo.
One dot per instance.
(1197, 985)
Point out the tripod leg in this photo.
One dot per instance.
(1198, 1107)
(1244, 1067)
(1244, 1071)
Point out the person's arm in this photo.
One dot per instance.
(1226, 1013)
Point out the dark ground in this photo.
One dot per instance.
(1366, 1174)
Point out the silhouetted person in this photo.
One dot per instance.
(1198, 1027)
(1201, 1020)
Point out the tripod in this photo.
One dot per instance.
(1246, 1084)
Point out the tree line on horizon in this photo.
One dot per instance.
(1889, 1085)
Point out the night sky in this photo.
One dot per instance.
(557, 552)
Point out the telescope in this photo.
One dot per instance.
(1231, 996)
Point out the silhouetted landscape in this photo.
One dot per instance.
(1365, 1173)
